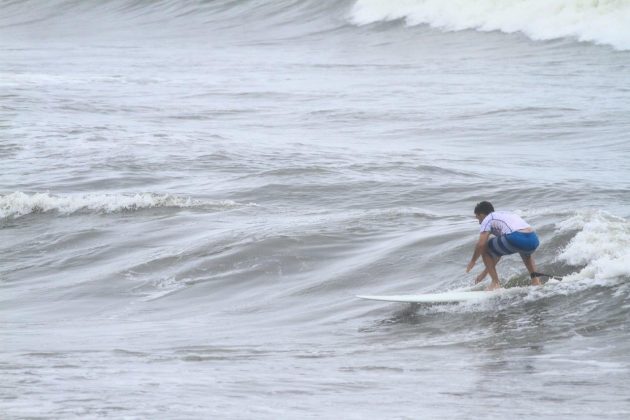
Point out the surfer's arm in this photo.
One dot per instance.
(479, 249)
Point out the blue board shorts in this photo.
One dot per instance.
(525, 243)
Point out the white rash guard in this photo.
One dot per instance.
(502, 222)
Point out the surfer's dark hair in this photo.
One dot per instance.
(484, 208)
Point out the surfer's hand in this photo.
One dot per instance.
(470, 266)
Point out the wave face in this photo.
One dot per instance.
(601, 22)
(188, 18)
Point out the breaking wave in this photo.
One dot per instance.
(18, 204)
(601, 246)
(597, 21)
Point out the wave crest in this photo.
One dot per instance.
(597, 21)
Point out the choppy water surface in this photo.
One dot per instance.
(192, 193)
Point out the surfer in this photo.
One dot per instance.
(511, 235)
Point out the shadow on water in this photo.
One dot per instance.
(504, 325)
(515, 337)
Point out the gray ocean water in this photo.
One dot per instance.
(193, 192)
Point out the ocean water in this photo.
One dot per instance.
(193, 192)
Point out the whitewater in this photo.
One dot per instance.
(192, 193)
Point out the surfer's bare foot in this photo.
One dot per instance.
(494, 286)
(536, 282)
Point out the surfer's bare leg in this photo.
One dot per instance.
(481, 276)
(491, 264)
(484, 273)
(529, 262)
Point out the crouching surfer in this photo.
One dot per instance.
(511, 235)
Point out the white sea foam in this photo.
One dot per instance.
(18, 204)
(597, 21)
(602, 246)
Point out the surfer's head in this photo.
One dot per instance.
(483, 209)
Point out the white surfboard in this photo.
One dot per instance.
(446, 297)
